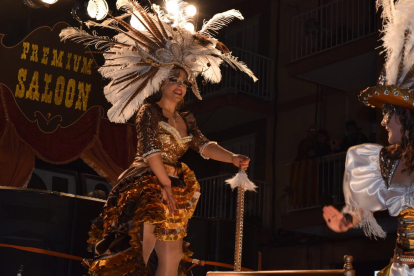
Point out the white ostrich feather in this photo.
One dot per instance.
(115, 114)
(179, 18)
(123, 38)
(219, 21)
(80, 36)
(124, 5)
(124, 56)
(107, 23)
(212, 73)
(387, 9)
(235, 63)
(114, 91)
(241, 180)
(398, 40)
(115, 73)
(119, 59)
(393, 38)
(405, 12)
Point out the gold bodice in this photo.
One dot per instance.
(156, 136)
(172, 145)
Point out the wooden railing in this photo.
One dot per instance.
(348, 270)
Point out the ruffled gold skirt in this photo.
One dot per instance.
(118, 238)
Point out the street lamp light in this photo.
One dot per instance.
(35, 4)
(177, 11)
(189, 27)
(97, 9)
(191, 10)
(172, 6)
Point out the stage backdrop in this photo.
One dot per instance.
(52, 106)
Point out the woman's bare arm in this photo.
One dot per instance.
(218, 153)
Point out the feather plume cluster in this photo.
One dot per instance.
(219, 21)
(398, 41)
(137, 61)
(241, 180)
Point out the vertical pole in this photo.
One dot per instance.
(239, 229)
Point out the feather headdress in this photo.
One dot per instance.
(397, 79)
(137, 61)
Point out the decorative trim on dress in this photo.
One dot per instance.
(202, 148)
(366, 221)
(150, 153)
(393, 168)
(174, 132)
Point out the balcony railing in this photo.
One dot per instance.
(315, 182)
(234, 81)
(331, 25)
(219, 201)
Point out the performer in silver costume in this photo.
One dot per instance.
(376, 177)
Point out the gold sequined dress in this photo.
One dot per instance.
(137, 198)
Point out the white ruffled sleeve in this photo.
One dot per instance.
(364, 187)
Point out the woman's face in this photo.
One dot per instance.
(175, 86)
(393, 126)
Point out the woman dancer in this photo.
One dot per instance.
(378, 178)
(156, 196)
(154, 199)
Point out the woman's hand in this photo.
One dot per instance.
(335, 220)
(241, 161)
(168, 196)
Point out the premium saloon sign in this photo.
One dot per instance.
(53, 83)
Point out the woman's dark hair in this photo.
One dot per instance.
(406, 148)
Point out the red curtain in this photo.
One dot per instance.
(107, 147)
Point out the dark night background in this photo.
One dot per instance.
(312, 58)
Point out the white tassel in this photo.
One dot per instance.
(241, 180)
(366, 221)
